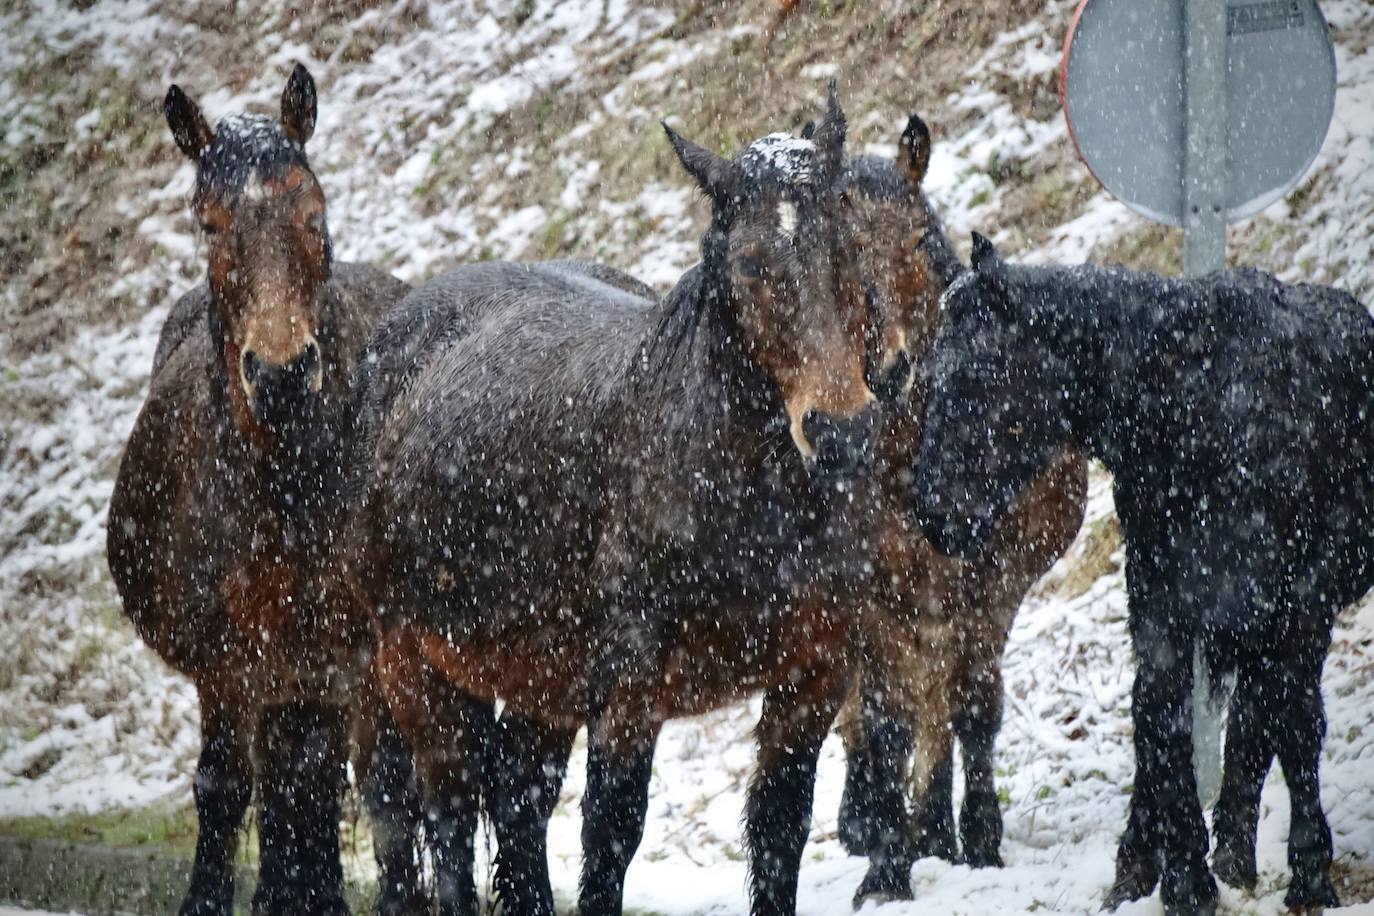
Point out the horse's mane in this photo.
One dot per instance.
(698, 303)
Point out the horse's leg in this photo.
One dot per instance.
(934, 813)
(445, 728)
(302, 750)
(1137, 853)
(1249, 752)
(392, 798)
(976, 725)
(887, 743)
(620, 759)
(795, 721)
(855, 820)
(1162, 713)
(1298, 729)
(222, 788)
(522, 772)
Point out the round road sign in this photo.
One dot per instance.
(1121, 85)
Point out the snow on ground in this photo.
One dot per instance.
(90, 720)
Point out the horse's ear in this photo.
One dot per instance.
(714, 174)
(299, 106)
(189, 127)
(829, 137)
(913, 151)
(985, 257)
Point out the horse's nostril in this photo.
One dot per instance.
(891, 383)
(251, 368)
(308, 365)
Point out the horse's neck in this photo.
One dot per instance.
(1111, 330)
(696, 409)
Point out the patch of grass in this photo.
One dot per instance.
(1094, 560)
(1153, 247)
(169, 827)
(553, 241)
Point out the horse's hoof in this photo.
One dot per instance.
(1190, 892)
(1199, 908)
(880, 895)
(1311, 894)
(975, 857)
(937, 844)
(1237, 869)
(409, 904)
(1136, 877)
(1126, 888)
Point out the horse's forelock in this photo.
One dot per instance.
(780, 158)
(246, 148)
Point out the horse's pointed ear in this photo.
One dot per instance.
(714, 174)
(913, 151)
(189, 127)
(299, 106)
(985, 257)
(829, 137)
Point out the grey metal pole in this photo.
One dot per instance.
(1204, 251)
(1204, 156)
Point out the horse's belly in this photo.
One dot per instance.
(719, 659)
(538, 673)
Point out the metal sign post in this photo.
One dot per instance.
(1204, 251)
(1197, 113)
(1204, 152)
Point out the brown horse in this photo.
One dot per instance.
(936, 626)
(228, 500)
(585, 504)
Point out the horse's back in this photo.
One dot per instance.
(499, 350)
(487, 410)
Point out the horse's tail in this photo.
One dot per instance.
(1212, 670)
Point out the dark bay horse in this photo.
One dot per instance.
(935, 626)
(1234, 412)
(228, 500)
(603, 509)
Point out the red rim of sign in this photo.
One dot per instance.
(1064, 86)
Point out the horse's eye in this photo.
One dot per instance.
(209, 228)
(748, 267)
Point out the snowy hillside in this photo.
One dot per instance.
(451, 131)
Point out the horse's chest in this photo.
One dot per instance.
(288, 617)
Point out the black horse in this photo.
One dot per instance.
(1235, 413)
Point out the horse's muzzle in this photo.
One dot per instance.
(276, 392)
(843, 445)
